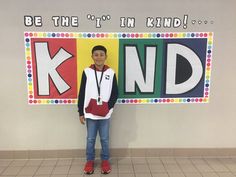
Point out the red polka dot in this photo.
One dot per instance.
(31, 96)
(136, 35)
(205, 34)
(69, 101)
(30, 34)
(65, 101)
(201, 34)
(135, 101)
(167, 35)
(171, 35)
(28, 62)
(168, 100)
(102, 35)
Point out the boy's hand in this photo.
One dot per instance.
(82, 119)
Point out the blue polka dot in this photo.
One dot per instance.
(156, 100)
(158, 35)
(192, 35)
(209, 51)
(29, 75)
(27, 40)
(188, 100)
(53, 34)
(207, 85)
(123, 101)
(56, 101)
(89, 35)
(123, 35)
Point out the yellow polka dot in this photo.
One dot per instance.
(176, 100)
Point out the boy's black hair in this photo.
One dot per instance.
(99, 47)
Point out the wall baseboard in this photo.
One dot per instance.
(119, 152)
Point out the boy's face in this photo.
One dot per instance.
(99, 57)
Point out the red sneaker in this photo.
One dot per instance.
(89, 167)
(105, 167)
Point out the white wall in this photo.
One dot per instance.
(25, 127)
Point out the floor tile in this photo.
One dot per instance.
(11, 171)
(160, 175)
(28, 170)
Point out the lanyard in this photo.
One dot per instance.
(98, 84)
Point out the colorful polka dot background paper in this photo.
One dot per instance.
(79, 46)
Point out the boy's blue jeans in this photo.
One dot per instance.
(94, 126)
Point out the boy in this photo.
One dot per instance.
(97, 97)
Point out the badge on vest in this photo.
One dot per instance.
(99, 101)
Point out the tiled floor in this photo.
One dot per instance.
(123, 167)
